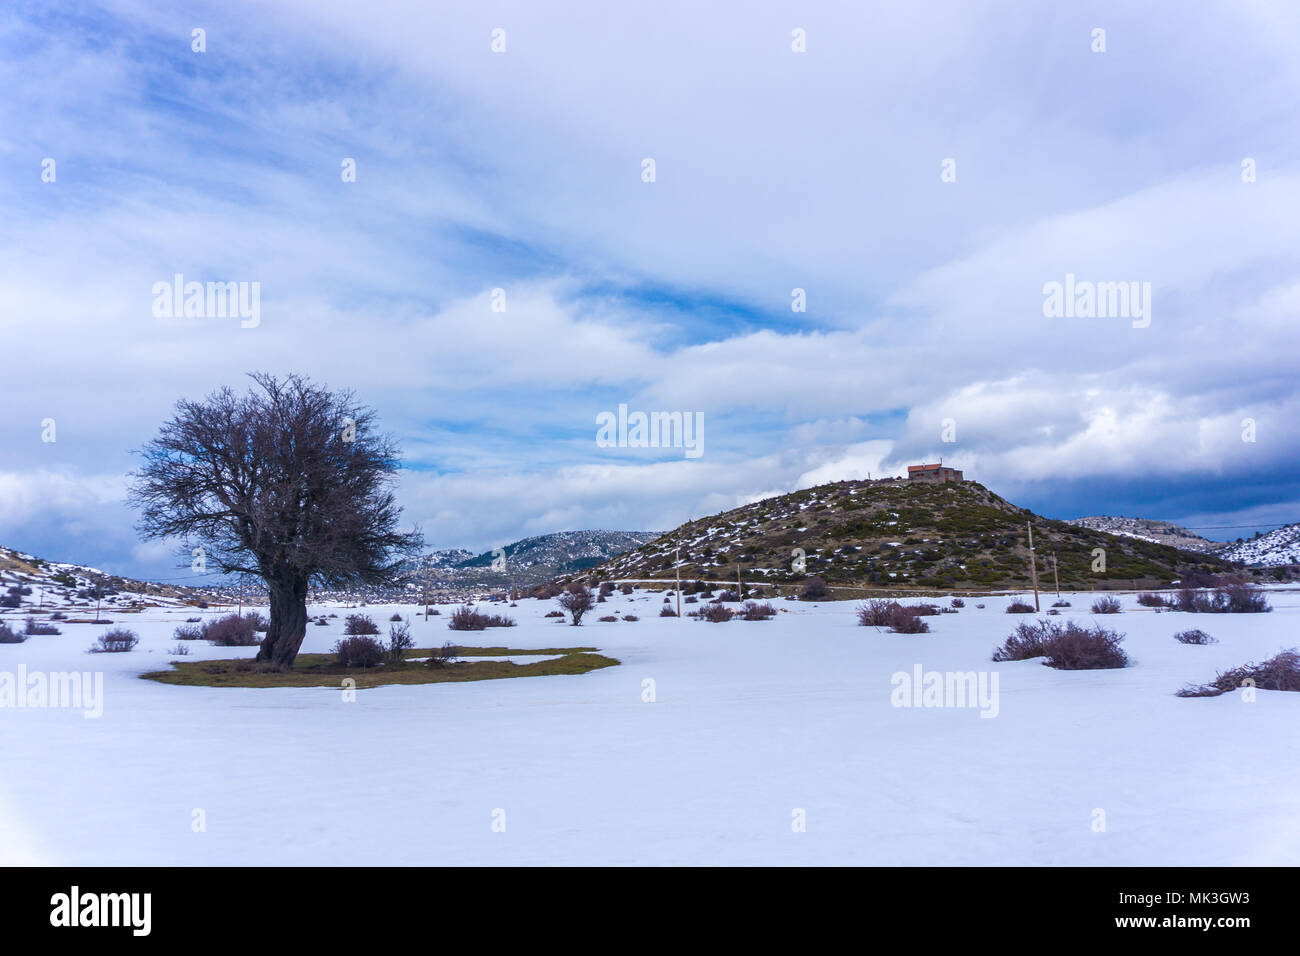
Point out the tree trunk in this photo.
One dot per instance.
(288, 625)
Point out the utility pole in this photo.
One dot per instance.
(740, 587)
(241, 596)
(1056, 576)
(678, 563)
(99, 593)
(1033, 563)
(426, 587)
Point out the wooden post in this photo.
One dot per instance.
(1033, 563)
(99, 592)
(426, 587)
(740, 585)
(1056, 576)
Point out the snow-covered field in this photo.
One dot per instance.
(752, 727)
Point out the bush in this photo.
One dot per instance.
(1194, 637)
(360, 650)
(230, 631)
(606, 588)
(729, 597)
(1083, 649)
(8, 636)
(814, 589)
(716, 613)
(180, 650)
(1281, 672)
(630, 617)
(188, 632)
(359, 624)
(396, 618)
(626, 589)
(443, 656)
(554, 614)
(1151, 599)
(117, 640)
(1106, 605)
(692, 600)
(958, 602)
(58, 616)
(754, 611)
(1064, 646)
(875, 613)
(609, 619)
(1233, 598)
(34, 628)
(666, 611)
(466, 618)
(1020, 607)
(321, 622)
(259, 623)
(905, 620)
(193, 620)
(399, 641)
(1060, 604)
(577, 600)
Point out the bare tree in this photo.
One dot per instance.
(577, 600)
(289, 482)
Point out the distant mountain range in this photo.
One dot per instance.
(1145, 529)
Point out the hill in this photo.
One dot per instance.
(29, 583)
(1274, 549)
(1146, 529)
(896, 533)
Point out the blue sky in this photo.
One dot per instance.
(775, 170)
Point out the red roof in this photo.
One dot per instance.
(912, 468)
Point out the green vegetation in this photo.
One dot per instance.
(323, 670)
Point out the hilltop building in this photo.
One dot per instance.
(932, 473)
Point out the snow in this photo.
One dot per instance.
(751, 722)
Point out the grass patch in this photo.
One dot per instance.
(323, 670)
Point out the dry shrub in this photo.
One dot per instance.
(1281, 672)
(1151, 599)
(716, 613)
(1107, 605)
(232, 630)
(1020, 607)
(442, 656)
(1194, 636)
(359, 624)
(756, 611)
(1068, 646)
(814, 589)
(399, 642)
(466, 618)
(188, 632)
(360, 650)
(117, 640)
